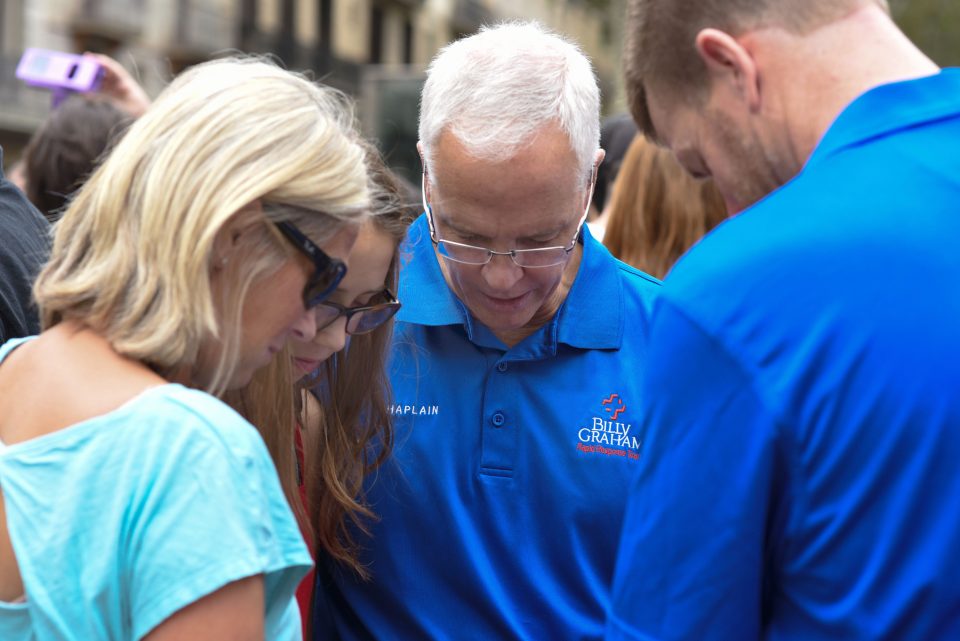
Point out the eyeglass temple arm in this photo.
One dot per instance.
(426, 206)
(586, 209)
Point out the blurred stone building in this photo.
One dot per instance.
(375, 50)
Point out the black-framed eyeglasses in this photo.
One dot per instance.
(361, 319)
(473, 255)
(328, 271)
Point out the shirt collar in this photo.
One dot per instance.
(426, 297)
(591, 317)
(891, 107)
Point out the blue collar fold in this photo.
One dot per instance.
(889, 108)
(591, 317)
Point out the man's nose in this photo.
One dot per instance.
(501, 273)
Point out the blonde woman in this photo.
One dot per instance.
(137, 505)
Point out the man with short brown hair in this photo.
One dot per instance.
(799, 470)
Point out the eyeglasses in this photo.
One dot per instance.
(328, 272)
(361, 319)
(473, 255)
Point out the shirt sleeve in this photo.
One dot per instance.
(210, 511)
(702, 507)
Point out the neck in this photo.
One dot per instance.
(823, 71)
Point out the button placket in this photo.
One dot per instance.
(500, 421)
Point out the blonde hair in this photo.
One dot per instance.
(658, 211)
(130, 253)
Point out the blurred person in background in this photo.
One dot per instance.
(24, 248)
(658, 211)
(799, 478)
(616, 134)
(65, 150)
(138, 505)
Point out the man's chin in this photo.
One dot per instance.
(499, 322)
(512, 307)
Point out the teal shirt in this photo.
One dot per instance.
(120, 521)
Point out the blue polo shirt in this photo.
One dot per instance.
(501, 508)
(800, 479)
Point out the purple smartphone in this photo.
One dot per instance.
(59, 71)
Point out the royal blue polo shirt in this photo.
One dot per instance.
(500, 511)
(800, 477)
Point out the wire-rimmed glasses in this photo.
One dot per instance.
(472, 255)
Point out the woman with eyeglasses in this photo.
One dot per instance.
(335, 428)
(343, 414)
(135, 504)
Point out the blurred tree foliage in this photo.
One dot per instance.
(934, 25)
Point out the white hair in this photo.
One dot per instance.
(495, 90)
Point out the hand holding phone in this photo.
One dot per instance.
(120, 87)
(58, 71)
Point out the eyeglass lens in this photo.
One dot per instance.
(546, 257)
(323, 283)
(360, 320)
(328, 271)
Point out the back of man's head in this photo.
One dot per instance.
(659, 48)
(495, 90)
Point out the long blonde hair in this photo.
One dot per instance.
(658, 211)
(133, 253)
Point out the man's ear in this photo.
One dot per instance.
(592, 185)
(728, 61)
(597, 159)
(426, 174)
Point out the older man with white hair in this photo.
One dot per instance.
(514, 367)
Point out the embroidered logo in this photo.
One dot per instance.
(398, 409)
(620, 407)
(607, 435)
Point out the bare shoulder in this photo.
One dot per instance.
(65, 376)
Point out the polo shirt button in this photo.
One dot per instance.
(502, 366)
(498, 419)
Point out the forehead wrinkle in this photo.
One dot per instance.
(528, 230)
(457, 166)
(533, 193)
